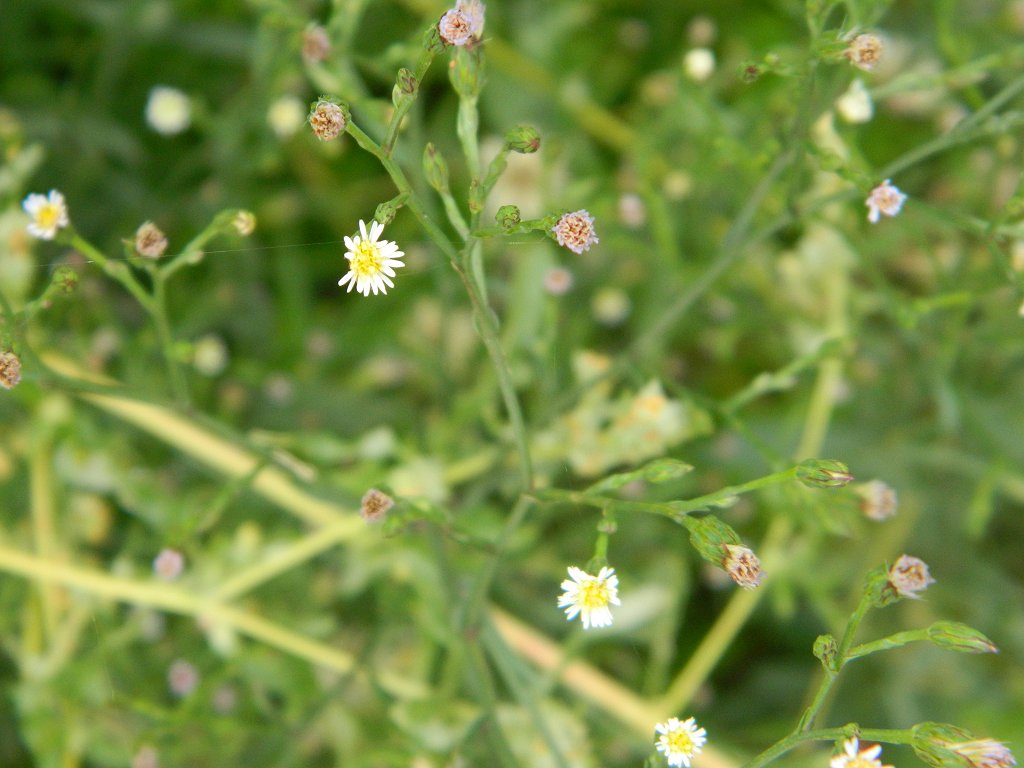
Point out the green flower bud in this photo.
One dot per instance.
(435, 168)
(405, 88)
(508, 216)
(385, 212)
(64, 280)
(823, 473)
(825, 650)
(960, 637)
(523, 139)
(465, 75)
(710, 537)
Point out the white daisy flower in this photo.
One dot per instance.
(49, 213)
(168, 110)
(855, 757)
(371, 263)
(680, 741)
(589, 596)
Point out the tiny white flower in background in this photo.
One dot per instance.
(375, 505)
(611, 306)
(575, 231)
(699, 64)
(286, 115)
(182, 678)
(371, 263)
(679, 740)
(885, 198)
(909, 575)
(984, 753)
(632, 211)
(169, 564)
(168, 110)
(864, 52)
(855, 105)
(558, 281)
(316, 44)
(855, 757)
(49, 213)
(146, 757)
(589, 596)
(210, 355)
(463, 23)
(878, 500)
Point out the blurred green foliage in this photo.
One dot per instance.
(691, 286)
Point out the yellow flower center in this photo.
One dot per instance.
(594, 594)
(48, 216)
(367, 259)
(861, 762)
(679, 742)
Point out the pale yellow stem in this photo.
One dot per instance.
(174, 600)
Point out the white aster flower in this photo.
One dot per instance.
(699, 64)
(885, 198)
(371, 263)
(589, 596)
(168, 110)
(855, 757)
(49, 213)
(680, 741)
(742, 566)
(575, 231)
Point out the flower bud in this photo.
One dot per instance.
(864, 52)
(508, 216)
(825, 650)
(710, 536)
(327, 118)
(64, 280)
(385, 212)
(524, 139)
(960, 637)
(405, 88)
(823, 473)
(435, 168)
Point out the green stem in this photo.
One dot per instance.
(158, 311)
(115, 269)
(831, 675)
(897, 640)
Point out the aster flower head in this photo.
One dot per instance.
(742, 566)
(327, 119)
(10, 370)
(679, 740)
(49, 214)
(575, 231)
(864, 52)
(169, 564)
(853, 756)
(375, 505)
(909, 575)
(150, 241)
(371, 263)
(885, 198)
(589, 596)
(463, 24)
